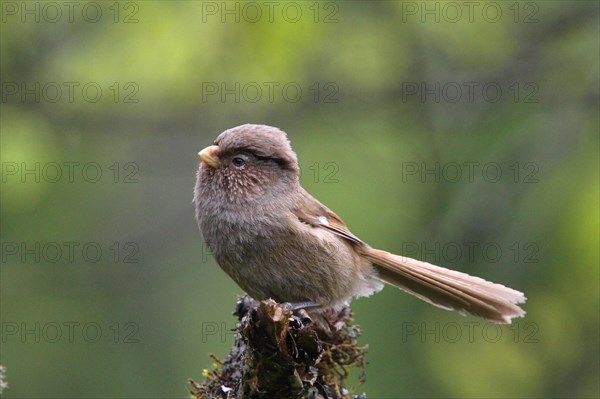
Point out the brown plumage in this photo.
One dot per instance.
(276, 241)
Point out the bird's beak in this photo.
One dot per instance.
(209, 156)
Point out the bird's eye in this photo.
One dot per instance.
(238, 161)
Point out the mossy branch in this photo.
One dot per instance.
(278, 353)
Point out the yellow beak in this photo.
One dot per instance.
(209, 156)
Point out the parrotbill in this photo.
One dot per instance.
(276, 241)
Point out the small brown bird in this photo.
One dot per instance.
(276, 241)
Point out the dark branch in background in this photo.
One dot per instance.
(3, 383)
(281, 354)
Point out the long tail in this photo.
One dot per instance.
(446, 288)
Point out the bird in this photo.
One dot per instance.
(276, 241)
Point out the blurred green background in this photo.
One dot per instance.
(465, 134)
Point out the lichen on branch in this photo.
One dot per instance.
(279, 353)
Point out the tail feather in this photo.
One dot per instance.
(448, 289)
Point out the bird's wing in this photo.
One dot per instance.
(439, 286)
(318, 215)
